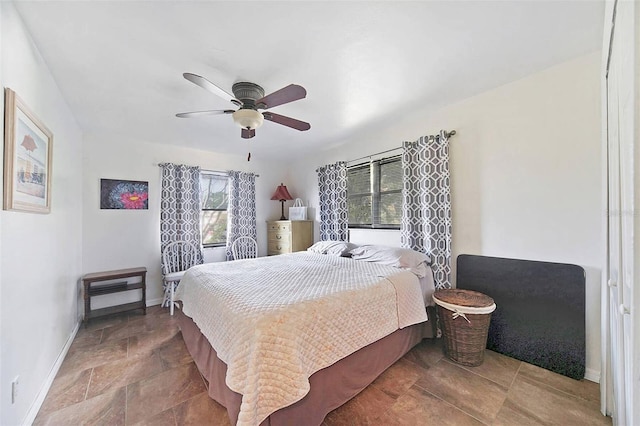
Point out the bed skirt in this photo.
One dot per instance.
(330, 387)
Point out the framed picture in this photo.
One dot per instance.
(28, 147)
(124, 194)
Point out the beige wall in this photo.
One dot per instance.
(525, 172)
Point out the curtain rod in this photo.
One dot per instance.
(221, 172)
(447, 134)
(373, 155)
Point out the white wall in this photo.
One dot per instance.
(114, 239)
(525, 172)
(41, 254)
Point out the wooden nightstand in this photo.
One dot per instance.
(287, 236)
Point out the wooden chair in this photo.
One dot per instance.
(244, 248)
(177, 257)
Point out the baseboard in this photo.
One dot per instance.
(154, 302)
(592, 375)
(35, 407)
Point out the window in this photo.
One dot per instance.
(374, 192)
(214, 197)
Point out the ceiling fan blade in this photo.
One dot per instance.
(248, 134)
(206, 84)
(287, 121)
(291, 93)
(200, 113)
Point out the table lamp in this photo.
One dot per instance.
(282, 195)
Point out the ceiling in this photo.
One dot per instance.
(119, 64)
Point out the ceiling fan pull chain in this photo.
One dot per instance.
(249, 157)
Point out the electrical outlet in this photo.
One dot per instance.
(14, 389)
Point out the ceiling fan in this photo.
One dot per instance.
(250, 98)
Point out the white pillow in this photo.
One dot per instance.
(393, 256)
(421, 270)
(332, 248)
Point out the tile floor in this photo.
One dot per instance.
(133, 369)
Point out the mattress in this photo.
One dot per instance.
(275, 321)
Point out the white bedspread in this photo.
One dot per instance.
(277, 320)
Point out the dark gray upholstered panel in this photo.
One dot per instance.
(540, 314)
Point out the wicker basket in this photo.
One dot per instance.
(464, 316)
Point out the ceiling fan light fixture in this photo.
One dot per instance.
(248, 118)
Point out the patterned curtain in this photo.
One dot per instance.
(334, 220)
(426, 203)
(180, 206)
(241, 209)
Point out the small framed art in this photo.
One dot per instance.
(28, 148)
(124, 194)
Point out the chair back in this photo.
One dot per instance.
(179, 256)
(244, 248)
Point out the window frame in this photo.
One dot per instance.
(375, 178)
(220, 244)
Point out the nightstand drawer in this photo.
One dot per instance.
(276, 247)
(279, 226)
(280, 236)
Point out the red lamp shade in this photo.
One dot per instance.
(282, 195)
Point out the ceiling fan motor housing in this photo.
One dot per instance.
(248, 93)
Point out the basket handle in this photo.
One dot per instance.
(457, 314)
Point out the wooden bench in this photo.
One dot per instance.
(91, 290)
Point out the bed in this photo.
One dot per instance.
(286, 339)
